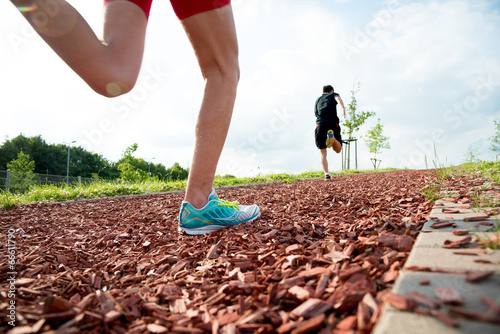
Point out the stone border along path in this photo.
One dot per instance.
(430, 266)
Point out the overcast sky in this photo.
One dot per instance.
(429, 69)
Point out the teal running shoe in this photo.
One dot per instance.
(215, 215)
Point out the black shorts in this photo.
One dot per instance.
(322, 129)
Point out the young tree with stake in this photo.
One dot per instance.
(355, 119)
(376, 141)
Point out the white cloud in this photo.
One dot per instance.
(429, 69)
(428, 59)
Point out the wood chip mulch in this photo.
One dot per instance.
(320, 259)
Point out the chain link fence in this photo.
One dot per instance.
(18, 182)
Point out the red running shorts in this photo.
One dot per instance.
(183, 8)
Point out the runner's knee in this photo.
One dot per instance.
(227, 75)
(111, 85)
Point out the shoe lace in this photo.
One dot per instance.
(229, 204)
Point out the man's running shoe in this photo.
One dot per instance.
(329, 139)
(327, 177)
(215, 215)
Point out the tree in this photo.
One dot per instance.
(128, 166)
(158, 170)
(355, 119)
(22, 164)
(376, 141)
(22, 172)
(52, 158)
(49, 158)
(11, 148)
(176, 172)
(129, 151)
(85, 164)
(495, 139)
(472, 154)
(131, 174)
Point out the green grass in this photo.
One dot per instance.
(436, 179)
(488, 171)
(60, 193)
(489, 241)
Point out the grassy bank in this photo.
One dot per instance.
(60, 193)
(487, 171)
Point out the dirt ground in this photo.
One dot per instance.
(318, 260)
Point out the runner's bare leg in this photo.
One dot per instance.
(336, 146)
(109, 66)
(324, 161)
(213, 37)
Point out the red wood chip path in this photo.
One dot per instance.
(321, 257)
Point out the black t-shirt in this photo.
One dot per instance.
(325, 109)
